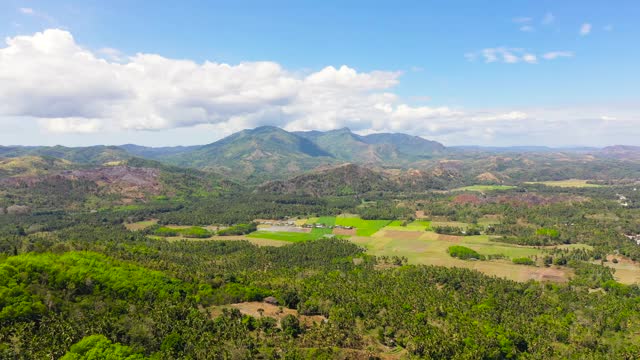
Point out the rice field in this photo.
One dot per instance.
(290, 236)
(363, 227)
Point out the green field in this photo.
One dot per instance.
(418, 225)
(483, 188)
(326, 220)
(363, 227)
(290, 236)
(567, 183)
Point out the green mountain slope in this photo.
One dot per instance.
(256, 154)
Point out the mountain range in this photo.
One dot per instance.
(270, 153)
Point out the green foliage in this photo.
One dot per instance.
(239, 229)
(457, 231)
(523, 261)
(464, 253)
(290, 325)
(551, 233)
(98, 347)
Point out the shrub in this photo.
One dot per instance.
(464, 253)
(239, 229)
(523, 261)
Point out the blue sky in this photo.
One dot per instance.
(507, 72)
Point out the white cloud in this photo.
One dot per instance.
(557, 54)
(527, 28)
(513, 55)
(67, 88)
(71, 125)
(530, 58)
(510, 116)
(26, 11)
(74, 93)
(548, 18)
(585, 29)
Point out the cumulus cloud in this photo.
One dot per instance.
(47, 79)
(67, 88)
(585, 29)
(26, 11)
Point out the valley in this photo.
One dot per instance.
(320, 245)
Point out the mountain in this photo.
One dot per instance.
(347, 146)
(256, 154)
(406, 144)
(374, 148)
(620, 152)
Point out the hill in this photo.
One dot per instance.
(42, 184)
(96, 155)
(347, 179)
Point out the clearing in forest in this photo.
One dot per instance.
(429, 248)
(261, 309)
(140, 225)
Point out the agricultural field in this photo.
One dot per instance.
(325, 220)
(290, 236)
(429, 248)
(483, 188)
(571, 183)
(363, 227)
(418, 225)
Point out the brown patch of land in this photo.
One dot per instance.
(547, 274)
(348, 232)
(397, 234)
(269, 310)
(449, 238)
